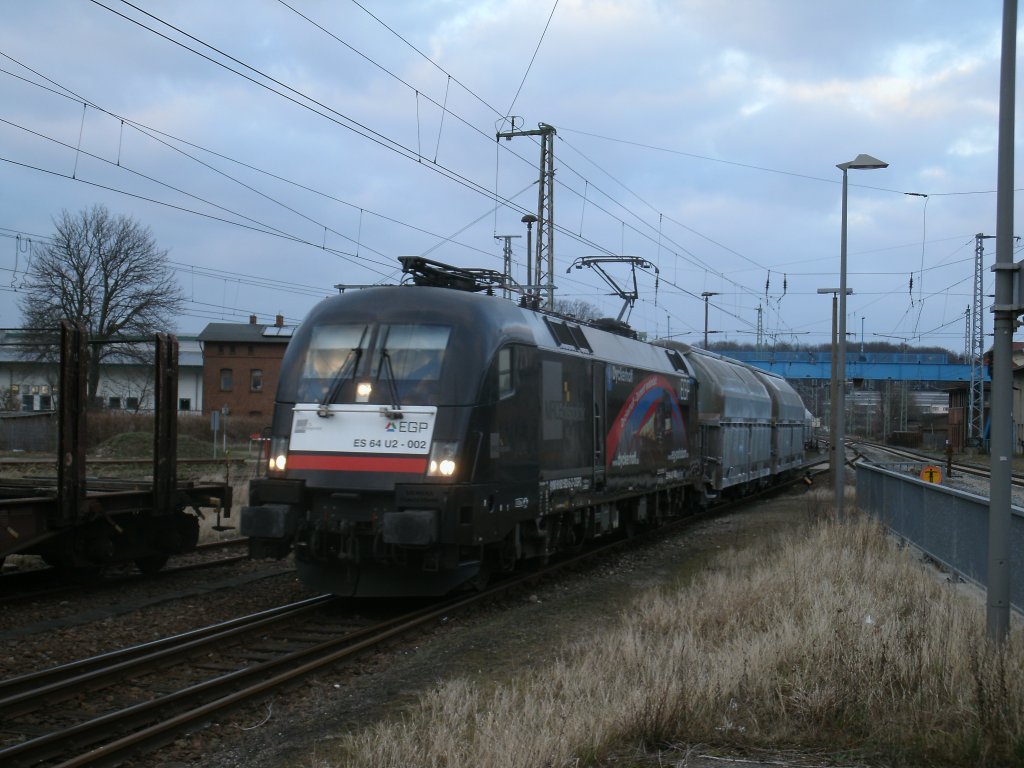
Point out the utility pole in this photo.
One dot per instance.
(836, 457)
(545, 254)
(506, 290)
(1005, 309)
(706, 295)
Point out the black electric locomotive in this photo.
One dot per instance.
(426, 437)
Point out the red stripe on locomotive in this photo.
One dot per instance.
(341, 463)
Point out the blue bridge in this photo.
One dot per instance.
(872, 366)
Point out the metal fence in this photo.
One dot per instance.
(948, 525)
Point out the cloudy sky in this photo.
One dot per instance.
(277, 148)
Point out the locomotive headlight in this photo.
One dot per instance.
(277, 459)
(442, 458)
(363, 390)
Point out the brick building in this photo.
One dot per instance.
(241, 365)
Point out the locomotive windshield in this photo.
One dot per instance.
(406, 357)
(331, 359)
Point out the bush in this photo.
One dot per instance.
(103, 425)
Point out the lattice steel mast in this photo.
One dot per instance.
(543, 277)
(976, 407)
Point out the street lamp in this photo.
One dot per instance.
(528, 220)
(859, 163)
(834, 413)
(707, 295)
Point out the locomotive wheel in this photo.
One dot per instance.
(150, 564)
(482, 579)
(573, 538)
(507, 555)
(629, 525)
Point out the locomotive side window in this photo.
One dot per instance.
(506, 383)
(676, 359)
(579, 338)
(569, 336)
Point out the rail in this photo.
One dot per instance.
(267, 662)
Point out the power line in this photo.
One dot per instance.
(533, 58)
(373, 135)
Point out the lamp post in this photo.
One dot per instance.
(834, 387)
(859, 163)
(707, 295)
(528, 220)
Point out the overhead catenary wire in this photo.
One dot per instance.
(507, 112)
(229, 57)
(585, 192)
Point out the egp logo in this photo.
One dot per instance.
(407, 426)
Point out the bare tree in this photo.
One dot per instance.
(578, 308)
(107, 273)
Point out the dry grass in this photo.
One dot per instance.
(831, 641)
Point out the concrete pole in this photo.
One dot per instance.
(1001, 417)
(840, 389)
(705, 322)
(833, 462)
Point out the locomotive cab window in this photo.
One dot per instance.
(415, 351)
(408, 358)
(332, 356)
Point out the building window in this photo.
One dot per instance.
(220, 349)
(252, 350)
(256, 380)
(45, 403)
(184, 404)
(114, 403)
(227, 382)
(27, 403)
(131, 403)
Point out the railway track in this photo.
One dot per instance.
(21, 586)
(974, 470)
(100, 710)
(106, 709)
